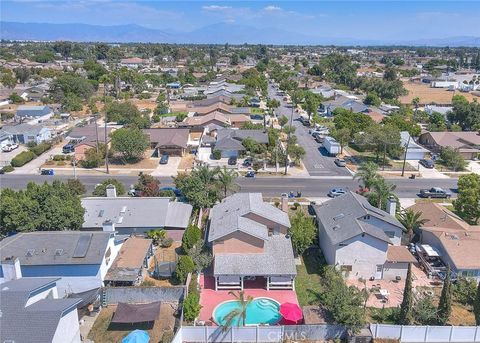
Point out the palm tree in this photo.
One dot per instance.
(206, 174)
(226, 180)
(382, 191)
(367, 173)
(412, 221)
(239, 314)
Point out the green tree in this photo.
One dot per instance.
(238, 316)
(127, 113)
(191, 306)
(191, 236)
(70, 89)
(412, 221)
(296, 152)
(185, 266)
(199, 187)
(445, 304)
(452, 158)
(476, 306)
(8, 79)
(368, 174)
(131, 143)
(76, 187)
(16, 99)
(101, 189)
(381, 192)
(226, 180)
(311, 103)
(147, 186)
(282, 121)
(343, 136)
(406, 308)
(467, 204)
(372, 99)
(303, 231)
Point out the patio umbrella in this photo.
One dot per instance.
(291, 312)
(137, 336)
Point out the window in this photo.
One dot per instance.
(346, 268)
(390, 234)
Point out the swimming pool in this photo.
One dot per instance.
(259, 311)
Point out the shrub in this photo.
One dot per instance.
(50, 163)
(59, 158)
(191, 236)
(22, 158)
(61, 163)
(185, 265)
(296, 205)
(76, 187)
(166, 242)
(217, 154)
(167, 337)
(147, 283)
(156, 118)
(8, 169)
(40, 148)
(277, 203)
(191, 307)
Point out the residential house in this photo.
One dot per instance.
(26, 133)
(249, 242)
(327, 107)
(229, 141)
(430, 109)
(31, 311)
(133, 62)
(414, 151)
(455, 241)
(5, 138)
(80, 259)
(199, 122)
(168, 141)
(467, 143)
(219, 107)
(211, 101)
(136, 215)
(33, 114)
(85, 138)
(361, 240)
(131, 264)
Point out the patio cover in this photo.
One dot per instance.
(136, 313)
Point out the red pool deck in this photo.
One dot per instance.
(210, 298)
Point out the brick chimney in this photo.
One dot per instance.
(284, 204)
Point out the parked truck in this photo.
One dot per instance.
(332, 146)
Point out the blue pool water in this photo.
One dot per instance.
(259, 311)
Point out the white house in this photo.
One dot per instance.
(33, 114)
(31, 311)
(80, 259)
(414, 151)
(361, 240)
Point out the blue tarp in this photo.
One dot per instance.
(137, 336)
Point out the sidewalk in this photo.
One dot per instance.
(427, 173)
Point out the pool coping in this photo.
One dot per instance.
(226, 301)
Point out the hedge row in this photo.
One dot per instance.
(22, 158)
(40, 148)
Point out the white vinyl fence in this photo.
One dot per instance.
(419, 334)
(254, 334)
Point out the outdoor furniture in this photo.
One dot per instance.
(384, 293)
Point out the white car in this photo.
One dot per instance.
(9, 147)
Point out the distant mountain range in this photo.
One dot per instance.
(212, 34)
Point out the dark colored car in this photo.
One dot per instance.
(164, 159)
(250, 174)
(247, 162)
(232, 161)
(2, 171)
(176, 191)
(46, 172)
(68, 148)
(435, 192)
(427, 163)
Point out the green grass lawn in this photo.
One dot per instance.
(307, 282)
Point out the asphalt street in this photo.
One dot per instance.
(269, 186)
(315, 161)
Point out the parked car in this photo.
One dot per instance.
(2, 171)
(232, 161)
(175, 190)
(427, 163)
(250, 173)
(9, 147)
(68, 148)
(435, 192)
(164, 159)
(247, 162)
(319, 138)
(46, 172)
(336, 192)
(340, 162)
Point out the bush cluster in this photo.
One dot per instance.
(22, 158)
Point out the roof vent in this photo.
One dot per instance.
(454, 237)
(339, 216)
(58, 252)
(30, 253)
(124, 209)
(336, 227)
(120, 220)
(100, 213)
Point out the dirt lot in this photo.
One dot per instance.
(428, 95)
(186, 162)
(162, 255)
(104, 331)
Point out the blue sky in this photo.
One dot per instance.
(343, 19)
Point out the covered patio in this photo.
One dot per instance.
(235, 282)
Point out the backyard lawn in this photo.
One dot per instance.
(307, 282)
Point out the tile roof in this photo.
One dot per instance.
(341, 217)
(439, 216)
(127, 212)
(56, 247)
(276, 259)
(37, 322)
(397, 253)
(229, 216)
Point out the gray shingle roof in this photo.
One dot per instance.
(229, 216)
(23, 129)
(37, 322)
(341, 218)
(231, 139)
(55, 247)
(126, 212)
(277, 259)
(168, 137)
(32, 111)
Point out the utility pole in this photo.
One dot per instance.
(74, 166)
(106, 137)
(405, 157)
(288, 138)
(96, 128)
(384, 155)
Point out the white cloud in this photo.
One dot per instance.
(216, 8)
(271, 8)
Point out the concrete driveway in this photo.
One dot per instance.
(427, 173)
(169, 169)
(474, 167)
(6, 157)
(33, 167)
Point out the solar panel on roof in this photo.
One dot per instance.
(82, 245)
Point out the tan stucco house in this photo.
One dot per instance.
(249, 241)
